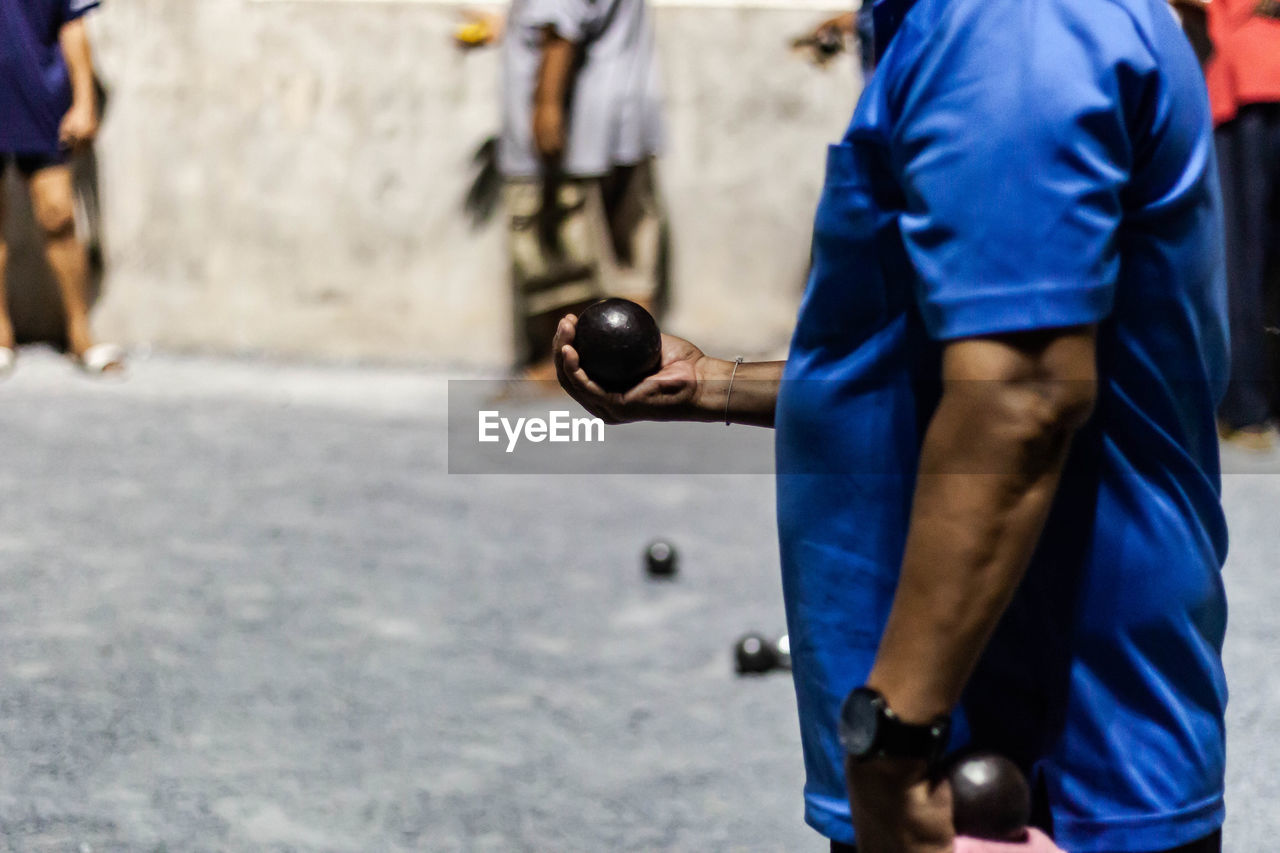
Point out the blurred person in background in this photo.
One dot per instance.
(1243, 74)
(581, 126)
(49, 109)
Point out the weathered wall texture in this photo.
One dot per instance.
(287, 177)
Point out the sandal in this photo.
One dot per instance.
(101, 359)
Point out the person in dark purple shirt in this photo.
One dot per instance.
(48, 109)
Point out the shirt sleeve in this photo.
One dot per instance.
(570, 18)
(72, 9)
(1011, 147)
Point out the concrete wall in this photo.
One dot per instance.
(287, 177)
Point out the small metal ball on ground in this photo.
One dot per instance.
(756, 654)
(661, 559)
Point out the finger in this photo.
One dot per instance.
(562, 373)
(577, 378)
(571, 361)
(558, 344)
(562, 342)
(573, 379)
(581, 380)
(582, 388)
(567, 370)
(566, 331)
(584, 383)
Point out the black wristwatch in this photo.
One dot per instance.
(869, 729)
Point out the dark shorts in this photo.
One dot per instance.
(1248, 149)
(28, 164)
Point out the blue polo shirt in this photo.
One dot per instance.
(1016, 166)
(35, 90)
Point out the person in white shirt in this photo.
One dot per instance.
(581, 126)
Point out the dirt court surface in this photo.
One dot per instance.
(245, 608)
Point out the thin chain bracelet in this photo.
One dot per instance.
(729, 394)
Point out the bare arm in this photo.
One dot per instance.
(689, 386)
(80, 125)
(752, 398)
(551, 92)
(990, 465)
(989, 468)
(843, 23)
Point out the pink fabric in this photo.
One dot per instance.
(1037, 842)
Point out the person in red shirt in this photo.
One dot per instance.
(1243, 75)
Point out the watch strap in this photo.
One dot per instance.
(925, 741)
(870, 729)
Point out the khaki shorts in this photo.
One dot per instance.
(605, 237)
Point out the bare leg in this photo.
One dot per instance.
(52, 199)
(6, 324)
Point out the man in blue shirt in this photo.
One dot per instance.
(998, 481)
(48, 108)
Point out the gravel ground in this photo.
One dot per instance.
(246, 608)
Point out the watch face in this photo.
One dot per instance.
(859, 721)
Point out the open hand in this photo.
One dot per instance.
(669, 394)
